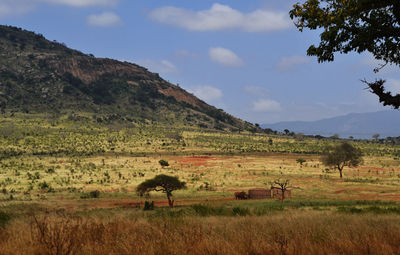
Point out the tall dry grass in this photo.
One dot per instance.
(287, 233)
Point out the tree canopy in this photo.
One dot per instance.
(355, 25)
(165, 183)
(342, 155)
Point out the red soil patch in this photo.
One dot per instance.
(197, 160)
(349, 190)
(374, 197)
(248, 177)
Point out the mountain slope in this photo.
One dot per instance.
(37, 75)
(358, 125)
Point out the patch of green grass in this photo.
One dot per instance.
(369, 209)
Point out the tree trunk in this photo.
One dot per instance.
(283, 195)
(341, 174)
(170, 202)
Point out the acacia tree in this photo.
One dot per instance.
(282, 185)
(301, 161)
(355, 25)
(342, 155)
(164, 183)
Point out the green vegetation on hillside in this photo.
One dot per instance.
(39, 76)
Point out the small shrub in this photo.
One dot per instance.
(50, 170)
(239, 211)
(148, 206)
(94, 194)
(205, 210)
(4, 219)
(300, 161)
(91, 194)
(44, 185)
(163, 163)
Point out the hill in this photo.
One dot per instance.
(41, 76)
(358, 125)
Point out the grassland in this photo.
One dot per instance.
(49, 166)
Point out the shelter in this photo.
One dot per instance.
(259, 193)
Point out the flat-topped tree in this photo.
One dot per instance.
(164, 183)
(342, 155)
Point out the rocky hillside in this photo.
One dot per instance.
(37, 75)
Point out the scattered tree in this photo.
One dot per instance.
(335, 136)
(376, 136)
(286, 131)
(300, 161)
(355, 25)
(282, 185)
(164, 183)
(342, 155)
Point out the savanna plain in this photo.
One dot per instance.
(68, 187)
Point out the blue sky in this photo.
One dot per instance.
(245, 57)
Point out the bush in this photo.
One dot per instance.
(148, 206)
(50, 170)
(239, 211)
(94, 194)
(205, 210)
(163, 163)
(4, 219)
(44, 185)
(91, 194)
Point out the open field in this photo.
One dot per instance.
(51, 170)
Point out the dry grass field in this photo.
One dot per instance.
(67, 188)
(300, 232)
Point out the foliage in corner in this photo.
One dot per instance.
(354, 25)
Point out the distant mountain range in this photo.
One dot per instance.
(358, 125)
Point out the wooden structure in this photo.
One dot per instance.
(259, 193)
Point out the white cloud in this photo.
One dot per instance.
(162, 67)
(256, 91)
(290, 63)
(206, 93)
(184, 54)
(266, 105)
(82, 3)
(225, 57)
(18, 7)
(15, 7)
(221, 17)
(105, 19)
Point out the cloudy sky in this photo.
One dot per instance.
(245, 57)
